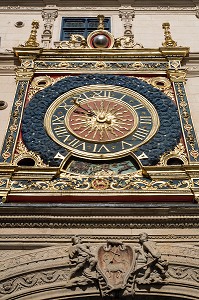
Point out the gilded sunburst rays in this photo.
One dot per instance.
(101, 120)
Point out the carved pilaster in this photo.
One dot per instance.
(49, 14)
(127, 15)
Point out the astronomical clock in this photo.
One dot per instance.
(100, 119)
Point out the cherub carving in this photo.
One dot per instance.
(84, 262)
(154, 261)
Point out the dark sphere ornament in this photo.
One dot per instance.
(100, 41)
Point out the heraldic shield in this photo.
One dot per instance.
(116, 262)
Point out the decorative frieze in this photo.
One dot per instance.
(109, 268)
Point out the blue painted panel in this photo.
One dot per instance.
(82, 26)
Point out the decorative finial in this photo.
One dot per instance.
(101, 22)
(169, 42)
(32, 42)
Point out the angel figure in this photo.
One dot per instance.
(84, 260)
(153, 260)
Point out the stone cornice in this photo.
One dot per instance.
(8, 63)
(95, 217)
(181, 7)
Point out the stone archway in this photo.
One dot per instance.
(50, 274)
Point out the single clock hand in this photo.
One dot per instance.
(90, 113)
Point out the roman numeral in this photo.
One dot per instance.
(141, 133)
(97, 94)
(145, 120)
(61, 131)
(65, 105)
(81, 97)
(100, 149)
(125, 145)
(138, 106)
(77, 144)
(107, 93)
(57, 120)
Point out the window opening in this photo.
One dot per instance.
(82, 26)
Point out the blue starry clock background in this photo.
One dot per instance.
(36, 138)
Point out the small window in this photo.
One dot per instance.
(82, 26)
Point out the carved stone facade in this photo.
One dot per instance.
(103, 267)
(121, 228)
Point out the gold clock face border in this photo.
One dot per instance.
(79, 90)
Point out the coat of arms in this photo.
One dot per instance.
(116, 262)
(118, 268)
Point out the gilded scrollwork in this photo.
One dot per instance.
(75, 41)
(169, 42)
(111, 66)
(22, 152)
(128, 182)
(187, 121)
(38, 84)
(32, 40)
(127, 42)
(179, 153)
(146, 185)
(14, 122)
(177, 75)
(163, 84)
(3, 183)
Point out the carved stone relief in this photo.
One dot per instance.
(49, 14)
(118, 269)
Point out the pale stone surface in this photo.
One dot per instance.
(11, 36)
(22, 238)
(7, 92)
(147, 26)
(192, 88)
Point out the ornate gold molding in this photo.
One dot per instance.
(24, 74)
(32, 41)
(169, 42)
(177, 75)
(179, 153)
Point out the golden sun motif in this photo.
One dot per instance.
(101, 120)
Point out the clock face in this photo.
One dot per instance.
(100, 116)
(101, 121)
